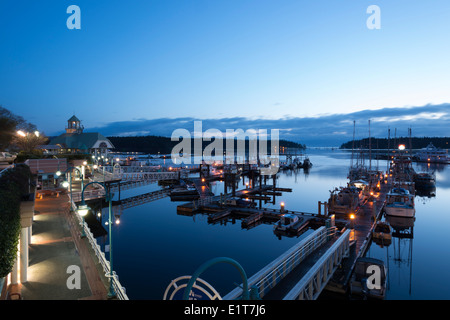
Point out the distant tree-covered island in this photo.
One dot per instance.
(384, 143)
(164, 145)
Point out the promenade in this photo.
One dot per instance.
(55, 246)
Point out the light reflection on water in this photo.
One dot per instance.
(153, 245)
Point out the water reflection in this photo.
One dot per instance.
(155, 245)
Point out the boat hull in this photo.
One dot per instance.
(400, 211)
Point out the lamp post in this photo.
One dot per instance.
(82, 210)
(246, 293)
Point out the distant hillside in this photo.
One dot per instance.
(164, 145)
(384, 143)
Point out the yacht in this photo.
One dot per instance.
(400, 203)
(433, 155)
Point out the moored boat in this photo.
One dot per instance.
(345, 200)
(381, 234)
(400, 203)
(432, 154)
(424, 180)
(369, 279)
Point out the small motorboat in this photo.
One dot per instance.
(381, 234)
(369, 279)
(183, 193)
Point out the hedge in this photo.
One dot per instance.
(14, 184)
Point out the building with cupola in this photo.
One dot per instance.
(76, 141)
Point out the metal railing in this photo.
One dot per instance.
(315, 280)
(273, 273)
(118, 288)
(144, 198)
(88, 194)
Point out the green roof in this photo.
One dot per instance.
(81, 141)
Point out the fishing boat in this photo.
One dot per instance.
(432, 154)
(400, 203)
(345, 200)
(369, 279)
(401, 167)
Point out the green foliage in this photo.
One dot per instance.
(13, 187)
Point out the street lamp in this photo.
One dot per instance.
(83, 209)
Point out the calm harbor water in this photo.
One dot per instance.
(153, 245)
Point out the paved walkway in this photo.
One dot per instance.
(56, 245)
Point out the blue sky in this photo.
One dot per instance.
(264, 63)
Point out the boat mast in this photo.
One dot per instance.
(370, 150)
(410, 141)
(389, 148)
(353, 145)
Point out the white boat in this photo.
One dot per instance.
(286, 222)
(432, 154)
(400, 203)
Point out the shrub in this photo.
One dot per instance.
(13, 187)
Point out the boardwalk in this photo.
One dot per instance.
(56, 245)
(363, 225)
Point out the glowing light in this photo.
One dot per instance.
(83, 210)
(352, 216)
(21, 133)
(401, 147)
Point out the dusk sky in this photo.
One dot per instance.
(308, 68)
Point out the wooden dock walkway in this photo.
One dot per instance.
(362, 225)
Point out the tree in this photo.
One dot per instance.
(10, 125)
(28, 141)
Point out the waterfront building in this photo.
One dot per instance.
(76, 141)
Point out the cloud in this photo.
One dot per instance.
(322, 130)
